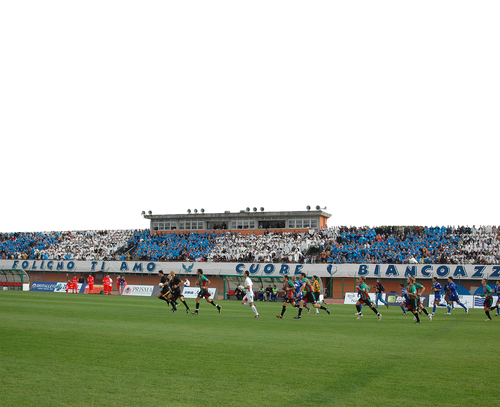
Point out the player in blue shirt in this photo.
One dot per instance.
(298, 295)
(497, 292)
(405, 298)
(436, 288)
(454, 296)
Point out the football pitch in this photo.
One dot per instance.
(84, 350)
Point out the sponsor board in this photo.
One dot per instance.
(384, 271)
(352, 298)
(192, 292)
(139, 290)
(43, 286)
(61, 288)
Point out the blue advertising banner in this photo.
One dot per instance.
(43, 286)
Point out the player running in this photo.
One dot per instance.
(248, 298)
(454, 296)
(308, 296)
(437, 288)
(165, 288)
(365, 298)
(488, 299)
(420, 290)
(288, 298)
(299, 294)
(175, 292)
(497, 291)
(203, 283)
(405, 297)
(412, 292)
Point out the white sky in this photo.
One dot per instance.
(386, 112)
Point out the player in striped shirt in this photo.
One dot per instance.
(307, 288)
(203, 283)
(488, 299)
(365, 298)
(288, 298)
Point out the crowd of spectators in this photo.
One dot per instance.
(189, 246)
(386, 244)
(80, 245)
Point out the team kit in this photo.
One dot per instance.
(302, 293)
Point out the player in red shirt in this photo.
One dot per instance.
(69, 285)
(90, 282)
(75, 285)
(118, 284)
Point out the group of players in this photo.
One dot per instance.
(171, 291)
(413, 291)
(300, 293)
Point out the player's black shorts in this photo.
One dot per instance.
(288, 300)
(412, 304)
(176, 293)
(165, 289)
(488, 302)
(309, 298)
(204, 293)
(367, 301)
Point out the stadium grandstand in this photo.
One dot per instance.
(336, 245)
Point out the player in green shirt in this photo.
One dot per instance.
(412, 292)
(308, 296)
(420, 289)
(365, 298)
(203, 283)
(488, 299)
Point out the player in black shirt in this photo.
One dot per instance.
(176, 294)
(165, 289)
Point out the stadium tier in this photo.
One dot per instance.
(336, 245)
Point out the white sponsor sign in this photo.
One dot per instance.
(352, 298)
(61, 288)
(140, 290)
(192, 292)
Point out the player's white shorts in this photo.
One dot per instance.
(248, 297)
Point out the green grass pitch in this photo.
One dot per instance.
(83, 350)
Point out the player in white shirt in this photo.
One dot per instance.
(248, 298)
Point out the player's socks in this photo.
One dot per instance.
(434, 308)
(254, 309)
(375, 310)
(403, 308)
(425, 311)
(449, 309)
(283, 310)
(416, 315)
(185, 304)
(300, 311)
(358, 308)
(322, 307)
(214, 304)
(487, 314)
